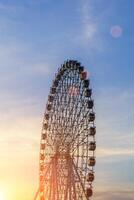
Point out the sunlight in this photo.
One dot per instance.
(2, 195)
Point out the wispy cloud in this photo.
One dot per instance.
(41, 68)
(21, 144)
(115, 117)
(89, 23)
(89, 35)
(115, 137)
(106, 152)
(14, 59)
(116, 195)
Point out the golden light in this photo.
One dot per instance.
(2, 195)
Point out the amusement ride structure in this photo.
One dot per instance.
(67, 146)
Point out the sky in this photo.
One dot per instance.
(36, 36)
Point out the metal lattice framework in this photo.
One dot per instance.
(67, 146)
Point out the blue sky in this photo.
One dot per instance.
(36, 36)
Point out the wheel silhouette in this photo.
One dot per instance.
(67, 145)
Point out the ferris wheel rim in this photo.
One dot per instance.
(73, 91)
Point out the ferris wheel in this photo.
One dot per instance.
(67, 148)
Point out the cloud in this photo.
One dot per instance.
(89, 35)
(115, 115)
(106, 152)
(89, 24)
(21, 143)
(41, 68)
(116, 195)
(115, 137)
(16, 52)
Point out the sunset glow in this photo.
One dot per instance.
(2, 195)
(36, 36)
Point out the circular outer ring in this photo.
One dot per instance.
(67, 147)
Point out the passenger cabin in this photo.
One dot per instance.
(90, 177)
(89, 192)
(45, 125)
(49, 106)
(90, 104)
(86, 83)
(92, 130)
(47, 116)
(44, 136)
(92, 146)
(43, 146)
(91, 161)
(53, 90)
(50, 98)
(81, 68)
(42, 156)
(88, 92)
(83, 75)
(55, 83)
(41, 167)
(91, 117)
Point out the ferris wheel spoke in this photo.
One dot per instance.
(85, 134)
(63, 107)
(78, 140)
(71, 113)
(67, 143)
(79, 178)
(79, 125)
(72, 125)
(80, 131)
